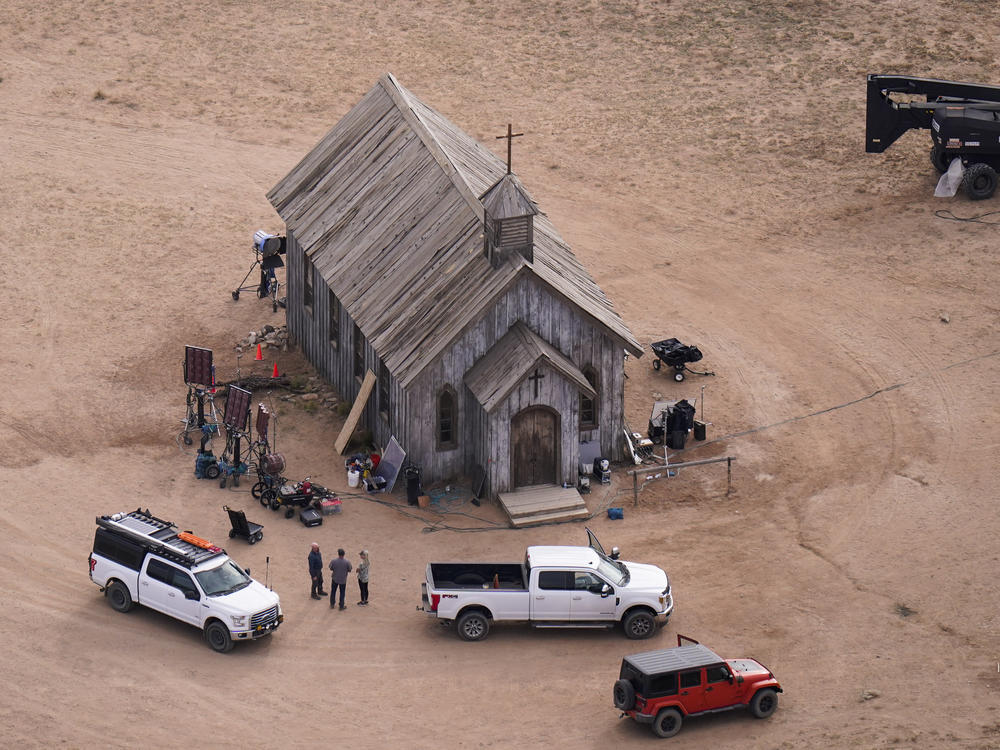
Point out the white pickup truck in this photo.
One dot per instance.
(141, 559)
(555, 587)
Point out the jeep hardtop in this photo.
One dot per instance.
(140, 559)
(663, 687)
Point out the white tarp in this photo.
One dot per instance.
(951, 180)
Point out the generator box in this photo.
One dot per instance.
(311, 517)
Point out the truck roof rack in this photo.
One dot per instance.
(159, 536)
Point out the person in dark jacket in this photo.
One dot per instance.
(316, 571)
(340, 567)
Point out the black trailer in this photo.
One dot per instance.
(673, 353)
(963, 118)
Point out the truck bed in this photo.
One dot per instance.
(509, 576)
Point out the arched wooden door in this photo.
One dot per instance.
(534, 440)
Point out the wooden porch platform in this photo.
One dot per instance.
(543, 503)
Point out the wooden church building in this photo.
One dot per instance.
(413, 253)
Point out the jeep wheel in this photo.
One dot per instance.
(218, 637)
(764, 703)
(667, 723)
(639, 624)
(624, 695)
(119, 597)
(473, 626)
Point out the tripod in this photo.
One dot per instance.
(197, 419)
(268, 284)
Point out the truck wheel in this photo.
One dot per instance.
(218, 637)
(764, 703)
(940, 159)
(980, 181)
(473, 626)
(639, 624)
(624, 695)
(668, 722)
(289, 512)
(119, 597)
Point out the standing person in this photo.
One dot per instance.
(340, 566)
(363, 568)
(316, 571)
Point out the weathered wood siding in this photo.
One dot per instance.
(336, 364)
(565, 328)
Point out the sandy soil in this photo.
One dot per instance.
(705, 161)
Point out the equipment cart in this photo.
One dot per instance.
(673, 353)
(252, 532)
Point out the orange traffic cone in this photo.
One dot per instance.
(259, 357)
(275, 373)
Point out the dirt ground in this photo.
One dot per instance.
(706, 162)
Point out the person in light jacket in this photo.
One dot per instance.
(364, 567)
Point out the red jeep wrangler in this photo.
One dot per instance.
(662, 687)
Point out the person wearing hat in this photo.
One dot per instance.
(363, 568)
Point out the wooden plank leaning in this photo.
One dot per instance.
(359, 406)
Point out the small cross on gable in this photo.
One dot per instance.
(535, 378)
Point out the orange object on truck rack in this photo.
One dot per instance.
(197, 541)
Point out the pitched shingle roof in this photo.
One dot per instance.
(387, 207)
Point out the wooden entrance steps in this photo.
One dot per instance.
(543, 503)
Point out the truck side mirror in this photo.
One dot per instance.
(191, 594)
(606, 590)
(614, 553)
(246, 570)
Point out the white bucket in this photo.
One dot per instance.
(353, 478)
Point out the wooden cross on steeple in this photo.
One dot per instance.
(510, 137)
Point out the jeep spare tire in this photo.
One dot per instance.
(624, 695)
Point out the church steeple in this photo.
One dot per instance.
(509, 219)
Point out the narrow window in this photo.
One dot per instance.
(446, 421)
(588, 405)
(359, 353)
(307, 284)
(691, 679)
(383, 390)
(334, 321)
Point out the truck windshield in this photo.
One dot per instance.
(614, 572)
(224, 579)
